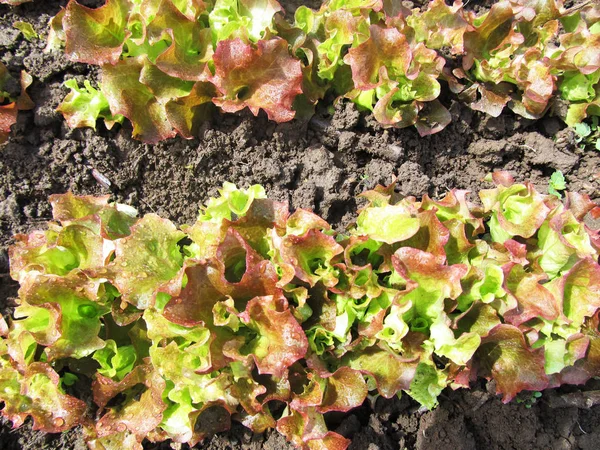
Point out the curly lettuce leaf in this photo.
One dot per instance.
(247, 19)
(96, 36)
(82, 107)
(37, 393)
(129, 97)
(505, 356)
(265, 77)
(147, 260)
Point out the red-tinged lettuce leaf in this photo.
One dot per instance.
(206, 287)
(191, 44)
(313, 86)
(581, 296)
(159, 328)
(330, 441)
(195, 303)
(362, 252)
(56, 33)
(431, 237)
(259, 422)
(393, 328)
(562, 240)
(341, 28)
(79, 322)
(306, 429)
(147, 261)
(266, 77)
(344, 390)
(205, 237)
(310, 390)
(140, 416)
(534, 77)
(105, 388)
(115, 361)
(68, 207)
(459, 349)
(429, 271)
(96, 36)
(262, 216)
(3, 327)
(400, 115)
(182, 367)
(533, 299)
(232, 203)
(59, 250)
(177, 423)
(454, 205)
(280, 340)
(391, 372)
(505, 357)
(494, 32)
(302, 220)
(309, 257)
(579, 204)
(517, 210)
(37, 393)
(8, 117)
(246, 389)
(492, 98)
(440, 25)
(243, 273)
(32, 325)
(129, 97)
(355, 5)
(384, 57)
(580, 51)
(483, 283)
(115, 219)
(189, 112)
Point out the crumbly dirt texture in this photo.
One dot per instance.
(322, 165)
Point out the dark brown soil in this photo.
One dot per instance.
(323, 165)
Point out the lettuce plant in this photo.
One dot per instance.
(269, 317)
(165, 63)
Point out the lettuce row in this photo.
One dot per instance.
(167, 63)
(271, 318)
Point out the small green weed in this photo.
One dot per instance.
(557, 183)
(588, 134)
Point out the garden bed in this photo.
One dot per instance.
(321, 164)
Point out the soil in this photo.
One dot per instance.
(320, 164)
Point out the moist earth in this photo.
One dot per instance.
(320, 164)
